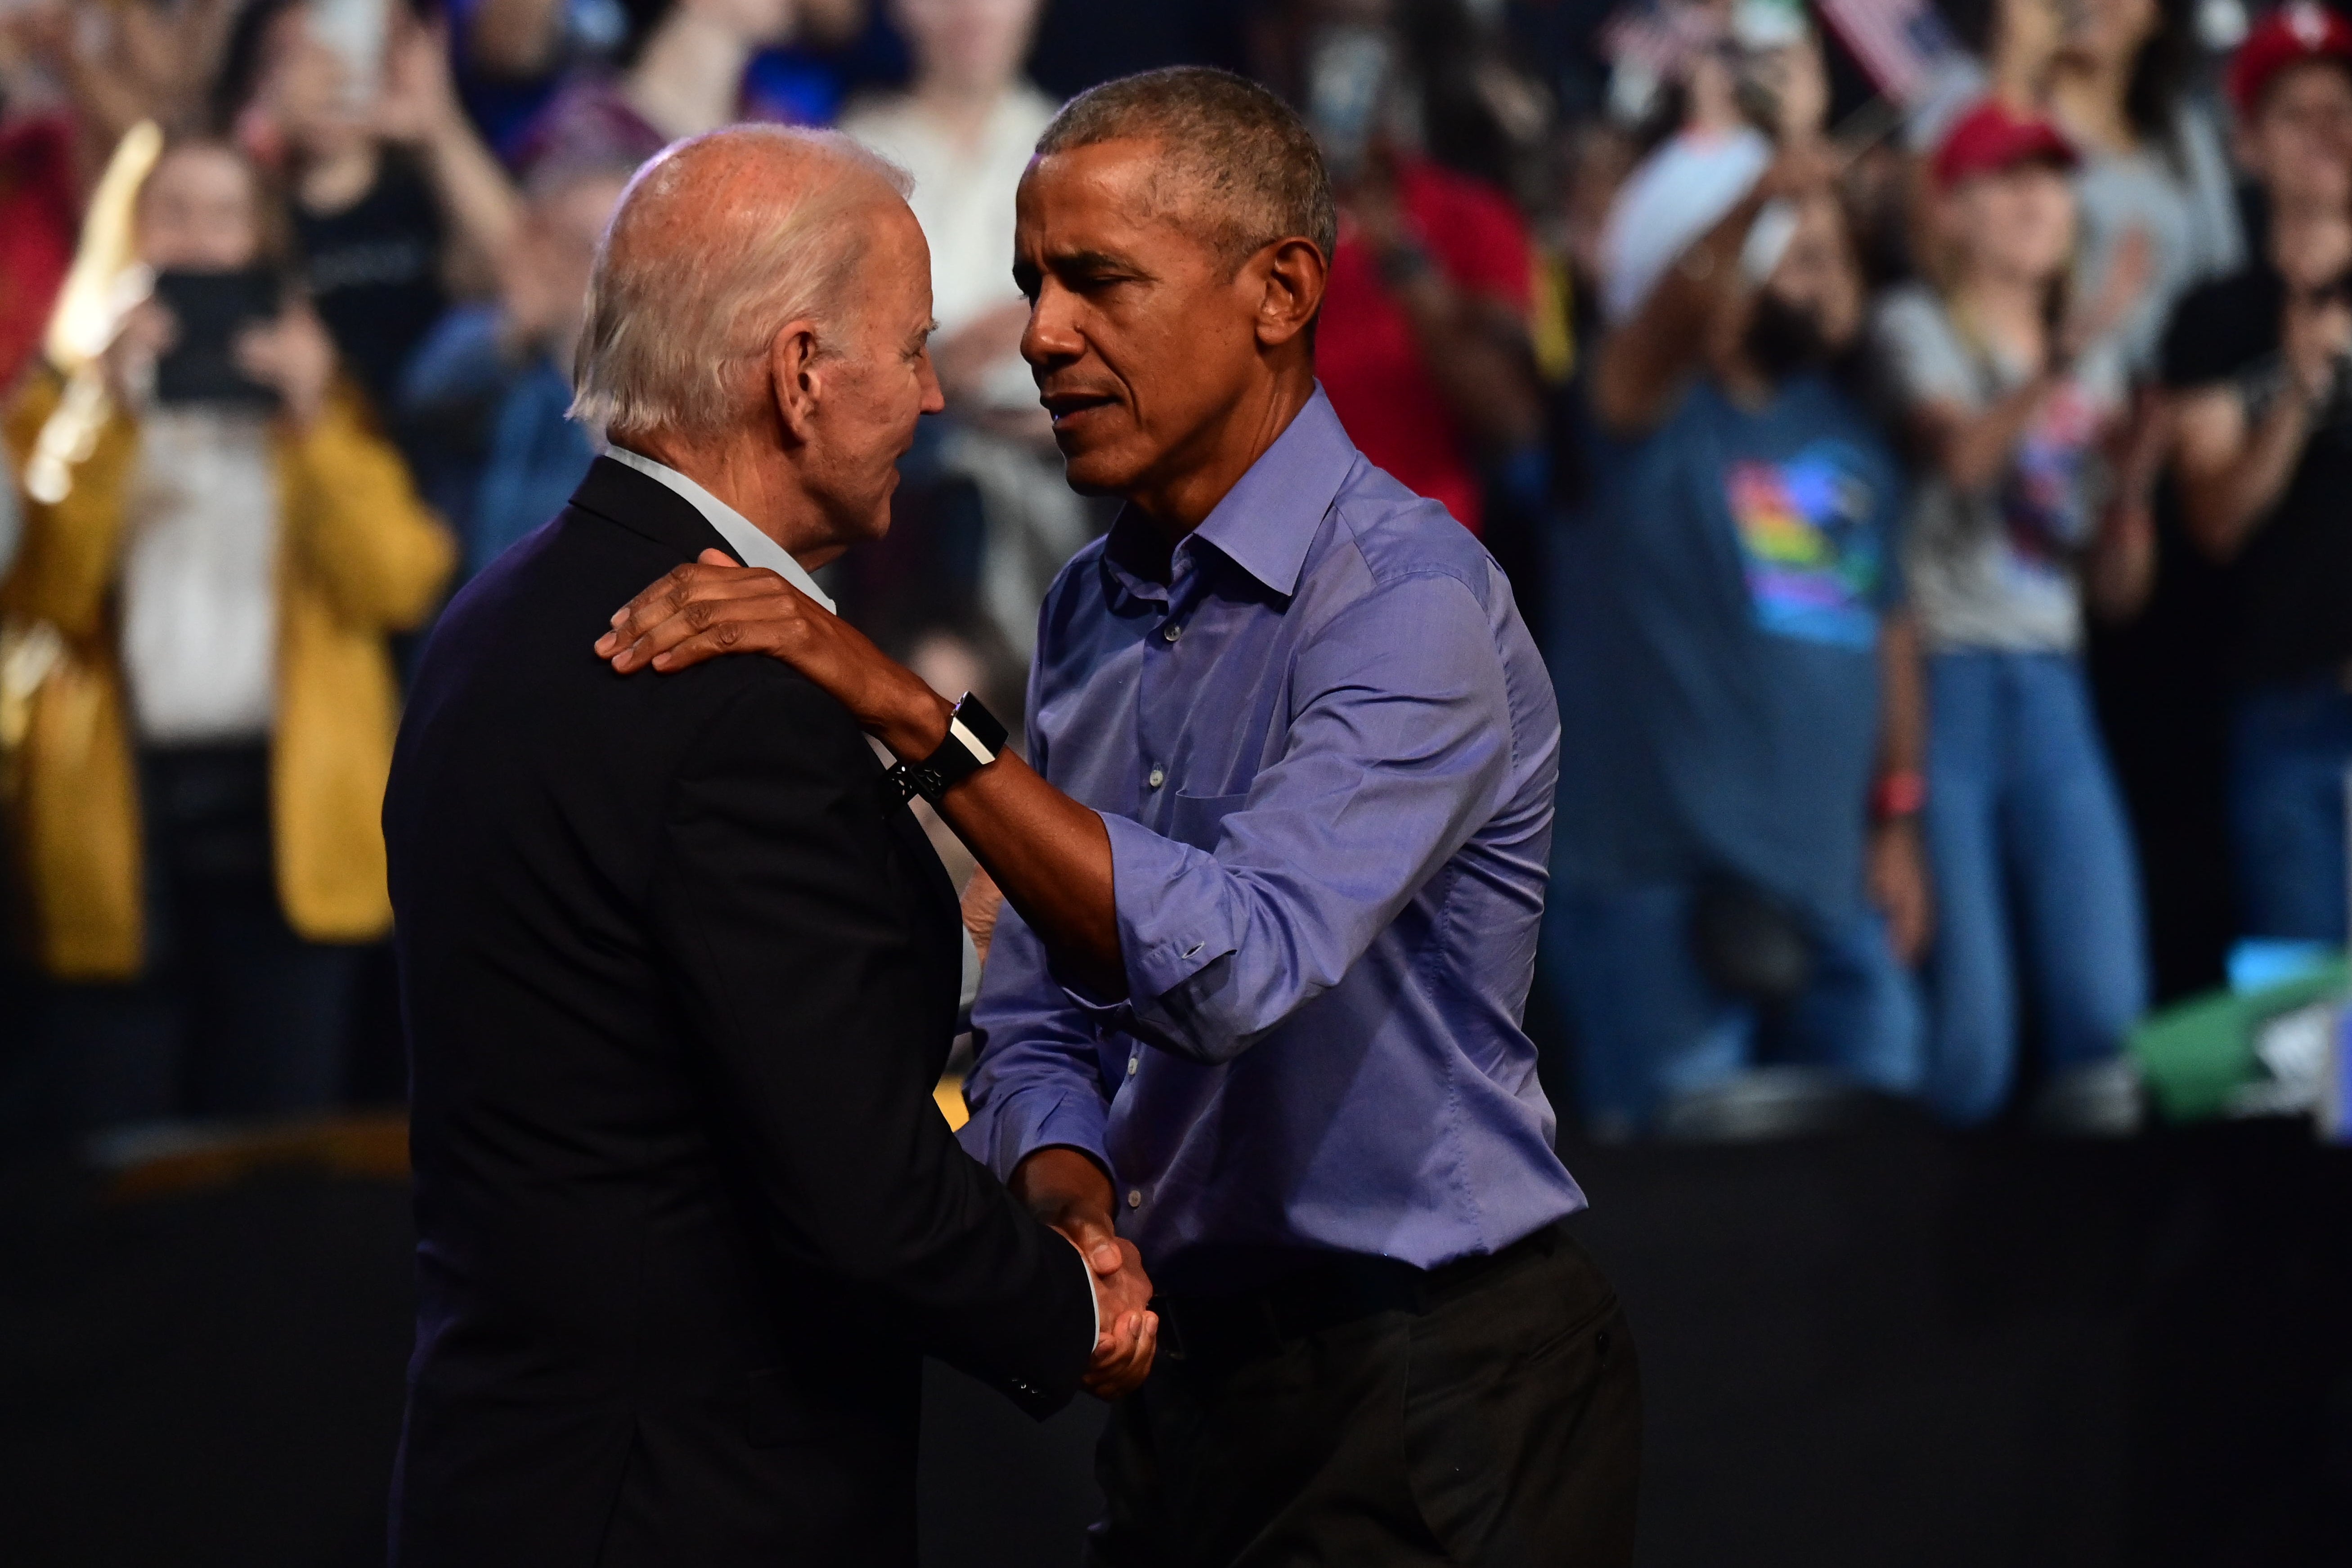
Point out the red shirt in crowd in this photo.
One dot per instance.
(40, 225)
(1364, 348)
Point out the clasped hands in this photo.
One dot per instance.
(1070, 1192)
(716, 607)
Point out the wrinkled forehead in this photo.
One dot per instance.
(1127, 194)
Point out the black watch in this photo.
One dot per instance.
(974, 741)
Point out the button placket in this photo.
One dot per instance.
(1151, 697)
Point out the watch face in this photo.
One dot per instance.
(971, 745)
(975, 716)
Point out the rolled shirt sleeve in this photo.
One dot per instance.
(1398, 753)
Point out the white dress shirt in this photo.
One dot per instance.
(751, 546)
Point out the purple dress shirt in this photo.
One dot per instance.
(1325, 749)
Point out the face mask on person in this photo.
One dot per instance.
(1784, 339)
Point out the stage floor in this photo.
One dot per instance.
(1895, 1348)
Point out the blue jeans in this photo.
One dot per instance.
(2033, 867)
(1649, 1025)
(2289, 749)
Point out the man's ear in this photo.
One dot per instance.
(794, 377)
(1291, 274)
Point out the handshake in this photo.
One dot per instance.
(1070, 1192)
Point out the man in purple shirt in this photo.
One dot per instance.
(1275, 880)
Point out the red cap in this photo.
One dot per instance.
(2295, 32)
(1988, 139)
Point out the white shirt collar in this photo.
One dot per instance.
(751, 546)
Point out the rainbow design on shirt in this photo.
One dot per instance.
(1810, 544)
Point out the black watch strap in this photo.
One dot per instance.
(974, 739)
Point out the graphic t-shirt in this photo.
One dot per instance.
(1995, 568)
(1721, 602)
(1810, 543)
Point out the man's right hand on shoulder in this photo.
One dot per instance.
(1068, 1191)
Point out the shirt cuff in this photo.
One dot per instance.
(1094, 1297)
(1172, 923)
(968, 992)
(1006, 1131)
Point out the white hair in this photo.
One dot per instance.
(673, 332)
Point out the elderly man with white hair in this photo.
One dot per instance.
(679, 968)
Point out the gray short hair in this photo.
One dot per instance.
(671, 332)
(1248, 164)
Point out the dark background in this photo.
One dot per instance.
(1893, 1347)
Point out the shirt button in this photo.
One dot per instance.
(1156, 777)
(1133, 1062)
(1174, 630)
(1135, 1197)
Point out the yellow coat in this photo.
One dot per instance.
(359, 557)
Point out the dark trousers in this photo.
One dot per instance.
(1493, 1420)
(234, 1014)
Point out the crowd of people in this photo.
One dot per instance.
(1877, 409)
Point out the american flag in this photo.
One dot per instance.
(1903, 45)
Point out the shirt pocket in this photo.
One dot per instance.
(1196, 820)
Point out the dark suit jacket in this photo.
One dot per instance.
(679, 980)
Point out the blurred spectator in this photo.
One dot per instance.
(1740, 876)
(1560, 42)
(395, 200)
(1478, 106)
(686, 76)
(120, 64)
(203, 769)
(39, 215)
(1729, 920)
(516, 55)
(2011, 400)
(2264, 465)
(2153, 162)
(510, 57)
(1423, 343)
(966, 128)
(1084, 42)
(485, 400)
(73, 79)
(1596, 160)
